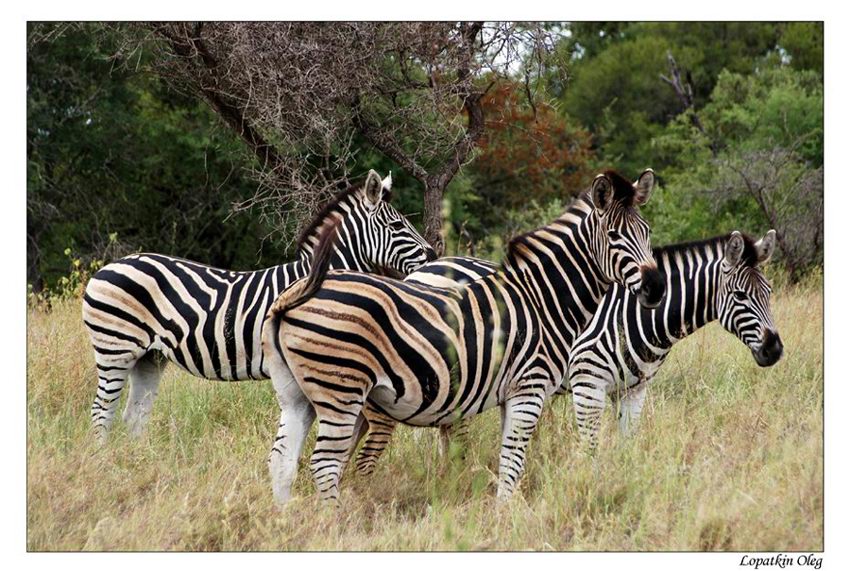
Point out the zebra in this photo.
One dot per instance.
(208, 320)
(624, 345)
(347, 346)
(620, 351)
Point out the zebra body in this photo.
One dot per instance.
(429, 356)
(209, 320)
(624, 345)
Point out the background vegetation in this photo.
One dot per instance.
(123, 143)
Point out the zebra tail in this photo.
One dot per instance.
(303, 290)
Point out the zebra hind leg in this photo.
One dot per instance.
(457, 434)
(144, 385)
(112, 373)
(381, 428)
(520, 414)
(296, 418)
(337, 434)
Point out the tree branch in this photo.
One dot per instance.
(685, 93)
(190, 46)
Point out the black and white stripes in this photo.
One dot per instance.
(358, 345)
(624, 345)
(208, 320)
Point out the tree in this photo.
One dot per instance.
(115, 152)
(527, 153)
(614, 90)
(752, 160)
(302, 95)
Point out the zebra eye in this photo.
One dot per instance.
(397, 225)
(739, 295)
(613, 235)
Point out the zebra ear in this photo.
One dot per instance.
(643, 187)
(765, 247)
(734, 248)
(373, 189)
(601, 192)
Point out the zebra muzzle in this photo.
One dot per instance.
(652, 287)
(770, 351)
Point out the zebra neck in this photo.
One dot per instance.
(556, 271)
(692, 287)
(347, 255)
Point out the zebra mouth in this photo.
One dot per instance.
(770, 351)
(652, 288)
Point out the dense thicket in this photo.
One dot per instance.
(119, 160)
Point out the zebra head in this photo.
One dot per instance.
(622, 238)
(744, 296)
(390, 241)
(372, 235)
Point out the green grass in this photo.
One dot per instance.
(729, 456)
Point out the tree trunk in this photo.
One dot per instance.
(433, 216)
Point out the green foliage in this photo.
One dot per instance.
(803, 41)
(615, 86)
(619, 97)
(765, 171)
(70, 286)
(775, 107)
(114, 151)
(111, 150)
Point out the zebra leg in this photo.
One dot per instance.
(589, 403)
(458, 433)
(631, 405)
(520, 414)
(381, 428)
(144, 385)
(296, 417)
(338, 430)
(112, 373)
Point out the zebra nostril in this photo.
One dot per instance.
(771, 349)
(652, 287)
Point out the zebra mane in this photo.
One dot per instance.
(624, 193)
(315, 225)
(580, 206)
(749, 257)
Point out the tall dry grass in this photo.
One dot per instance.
(728, 457)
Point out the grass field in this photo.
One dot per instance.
(729, 457)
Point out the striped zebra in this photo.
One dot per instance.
(208, 320)
(622, 348)
(345, 345)
(624, 345)
(448, 273)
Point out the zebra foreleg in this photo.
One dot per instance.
(520, 414)
(589, 403)
(144, 385)
(631, 406)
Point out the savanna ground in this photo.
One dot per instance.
(728, 457)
